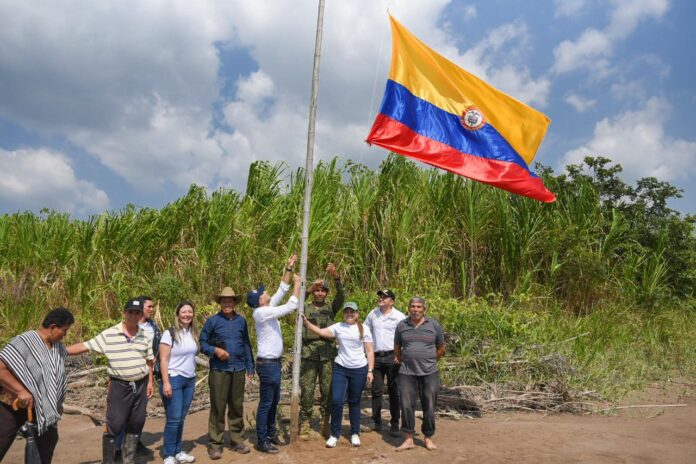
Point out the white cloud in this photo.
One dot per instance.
(470, 12)
(637, 140)
(631, 90)
(505, 44)
(35, 179)
(628, 13)
(593, 49)
(569, 8)
(588, 52)
(580, 104)
(134, 84)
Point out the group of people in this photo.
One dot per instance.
(389, 348)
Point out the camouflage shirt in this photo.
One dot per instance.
(313, 346)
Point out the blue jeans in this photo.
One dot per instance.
(346, 384)
(269, 397)
(176, 409)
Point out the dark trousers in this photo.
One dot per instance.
(126, 407)
(411, 387)
(385, 368)
(226, 396)
(269, 396)
(346, 384)
(11, 421)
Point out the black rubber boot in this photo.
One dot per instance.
(130, 444)
(108, 450)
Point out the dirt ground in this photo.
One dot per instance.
(632, 435)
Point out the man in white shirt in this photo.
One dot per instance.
(382, 322)
(270, 352)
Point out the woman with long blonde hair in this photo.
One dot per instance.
(178, 349)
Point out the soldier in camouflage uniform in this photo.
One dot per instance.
(317, 353)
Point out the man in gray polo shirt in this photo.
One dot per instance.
(418, 343)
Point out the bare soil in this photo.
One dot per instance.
(630, 435)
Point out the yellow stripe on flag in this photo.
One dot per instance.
(431, 77)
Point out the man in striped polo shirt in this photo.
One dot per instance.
(128, 352)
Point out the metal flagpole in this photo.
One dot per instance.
(295, 400)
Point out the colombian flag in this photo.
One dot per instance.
(434, 111)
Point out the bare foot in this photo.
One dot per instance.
(405, 446)
(429, 444)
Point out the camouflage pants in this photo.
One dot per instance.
(311, 372)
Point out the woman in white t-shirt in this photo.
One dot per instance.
(178, 366)
(352, 369)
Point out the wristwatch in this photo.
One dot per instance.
(369, 370)
(289, 269)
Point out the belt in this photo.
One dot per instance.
(128, 381)
(133, 384)
(268, 360)
(384, 353)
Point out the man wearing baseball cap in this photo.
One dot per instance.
(267, 311)
(382, 322)
(128, 352)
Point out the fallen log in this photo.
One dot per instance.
(82, 383)
(86, 372)
(681, 405)
(78, 410)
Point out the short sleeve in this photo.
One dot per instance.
(95, 344)
(150, 353)
(367, 334)
(166, 338)
(439, 335)
(334, 329)
(368, 320)
(397, 334)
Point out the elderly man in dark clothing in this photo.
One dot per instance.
(418, 343)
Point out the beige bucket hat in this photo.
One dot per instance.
(227, 292)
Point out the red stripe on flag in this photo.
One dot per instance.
(399, 138)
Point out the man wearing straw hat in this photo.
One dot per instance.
(225, 339)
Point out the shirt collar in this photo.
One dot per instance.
(222, 315)
(410, 322)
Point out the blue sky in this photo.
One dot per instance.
(114, 102)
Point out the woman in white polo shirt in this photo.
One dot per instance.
(352, 369)
(178, 365)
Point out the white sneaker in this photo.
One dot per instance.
(183, 457)
(355, 439)
(170, 460)
(331, 442)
